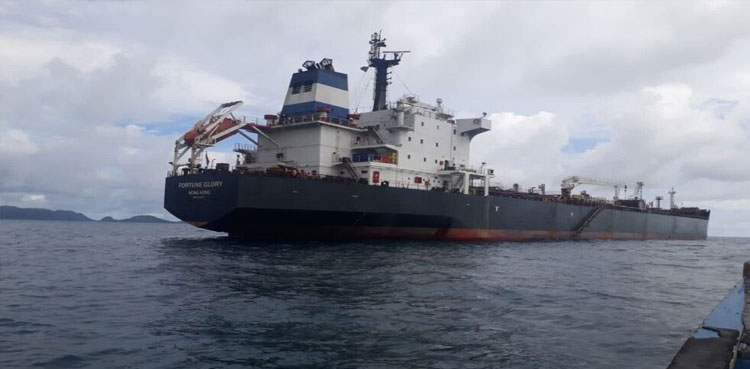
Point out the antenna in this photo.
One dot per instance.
(658, 201)
(638, 194)
(381, 65)
(671, 198)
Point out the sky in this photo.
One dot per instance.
(94, 94)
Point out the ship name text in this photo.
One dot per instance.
(207, 184)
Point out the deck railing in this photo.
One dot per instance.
(360, 158)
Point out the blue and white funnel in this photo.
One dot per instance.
(319, 86)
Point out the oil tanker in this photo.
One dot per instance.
(401, 170)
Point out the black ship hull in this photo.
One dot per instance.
(253, 206)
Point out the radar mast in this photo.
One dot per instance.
(379, 60)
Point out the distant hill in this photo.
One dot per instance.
(136, 219)
(12, 212)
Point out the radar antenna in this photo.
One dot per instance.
(671, 193)
(379, 60)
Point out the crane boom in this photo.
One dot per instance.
(214, 127)
(571, 182)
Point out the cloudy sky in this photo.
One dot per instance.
(93, 94)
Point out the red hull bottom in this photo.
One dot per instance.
(435, 234)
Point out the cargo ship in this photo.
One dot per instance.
(401, 170)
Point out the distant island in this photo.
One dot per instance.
(13, 212)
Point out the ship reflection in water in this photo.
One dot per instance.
(609, 304)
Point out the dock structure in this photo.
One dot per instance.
(723, 340)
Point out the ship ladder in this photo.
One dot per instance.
(375, 134)
(458, 184)
(586, 221)
(350, 167)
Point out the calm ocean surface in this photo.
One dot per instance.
(76, 295)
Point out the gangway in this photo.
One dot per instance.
(586, 221)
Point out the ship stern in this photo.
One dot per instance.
(204, 200)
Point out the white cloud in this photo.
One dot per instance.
(22, 57)
(644, 91)
(16, 142)
(522, 149)
(188, 86)
(33, 198)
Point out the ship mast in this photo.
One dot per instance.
(381, 65)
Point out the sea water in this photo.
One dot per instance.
(118, 295)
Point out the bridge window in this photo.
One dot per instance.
(295, 88)
(307, 87)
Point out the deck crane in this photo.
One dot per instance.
(571, 182)
(214, 127)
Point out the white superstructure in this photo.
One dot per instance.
(410, 145)
(406, 144)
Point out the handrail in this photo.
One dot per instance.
(360, 158)
(309, 118)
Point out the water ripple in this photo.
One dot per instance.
(162, 296)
